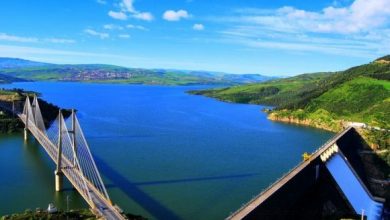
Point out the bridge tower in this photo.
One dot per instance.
(74, 136)
(58, 172)
(27, 119)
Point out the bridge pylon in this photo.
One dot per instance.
(58, 173)
(73, 132)
(27, 119)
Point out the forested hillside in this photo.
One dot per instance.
(360, 94)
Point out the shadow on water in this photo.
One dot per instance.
(196, 179)
(147, 202)
(119, 136)
(39, 160)
(133, 192)
(131, 189)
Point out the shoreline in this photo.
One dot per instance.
(306, 122)
(376, 139)
(82, 214)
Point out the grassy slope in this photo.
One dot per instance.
(358, 94)
(362, 99)
(31, 73)
(271, 92)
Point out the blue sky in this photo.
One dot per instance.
(276, 37)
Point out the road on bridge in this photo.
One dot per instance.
(70, 152)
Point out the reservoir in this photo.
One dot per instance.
(163, 153)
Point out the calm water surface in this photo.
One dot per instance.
(163, 154)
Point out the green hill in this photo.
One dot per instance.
(326, 100)
(280, 92)
(6, 62)
(362, 99)
(35, 71)
(9, 79)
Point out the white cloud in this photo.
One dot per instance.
(112, 27)
(337, 47)
(138, 27)
(258, 37)
(124, 36)
(25, 52)
(98, 34)
(60, 41)
(128, 6)
(361, 28)
(171, 15)
(7, 37)
(117, 15)
(360, 16)
(127, 9)
(198, 27)
(146, 16)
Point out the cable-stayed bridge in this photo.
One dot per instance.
(66, 145)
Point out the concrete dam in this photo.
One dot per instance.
(337, 181)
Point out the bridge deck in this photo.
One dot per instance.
(97, 201)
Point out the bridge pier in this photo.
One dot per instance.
(59, 180)
(58, 173)
(74, 146)
(26, 125)
(25, 134)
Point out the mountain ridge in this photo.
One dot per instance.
(37, 71)
(10, 62)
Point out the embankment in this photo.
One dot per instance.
(334, 125)
(12, 101)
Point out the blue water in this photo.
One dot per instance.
(163, 153)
